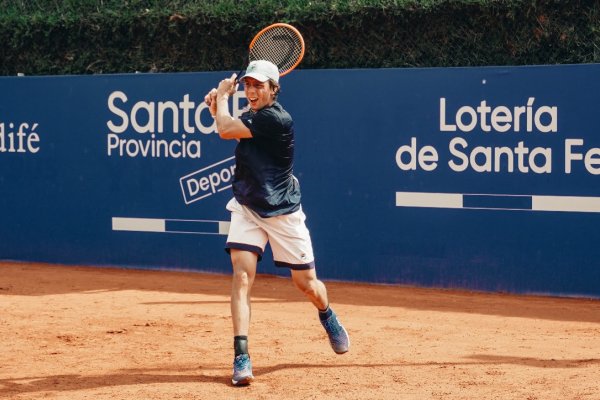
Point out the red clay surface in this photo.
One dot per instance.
(91, 333)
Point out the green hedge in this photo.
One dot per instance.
(107, 36)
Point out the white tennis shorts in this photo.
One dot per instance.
(288, 235)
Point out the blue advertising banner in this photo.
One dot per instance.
(476, 178)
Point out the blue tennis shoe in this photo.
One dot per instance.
(338, 337)
(242, 370)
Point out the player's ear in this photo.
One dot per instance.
(274, 87)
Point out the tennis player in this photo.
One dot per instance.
(266, 205)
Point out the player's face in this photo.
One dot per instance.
(259, 94)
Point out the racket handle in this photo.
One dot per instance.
(237, 76)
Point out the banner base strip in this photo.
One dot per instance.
(190, 226)
(499, 202)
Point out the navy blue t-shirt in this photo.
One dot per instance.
(264, 179)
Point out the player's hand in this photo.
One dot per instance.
(210, 96)
(227, 86)
(211, 101)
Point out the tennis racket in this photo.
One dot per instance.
(279, 43)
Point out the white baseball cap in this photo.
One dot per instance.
(262, 70)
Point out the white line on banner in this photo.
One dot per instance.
(188, 226)
(138, 224)
(566, 203)
(587, 204)
(435, 200)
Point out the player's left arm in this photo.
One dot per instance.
(228, 126)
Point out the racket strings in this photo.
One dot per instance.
(281, 46)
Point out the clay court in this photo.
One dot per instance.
(101, 333)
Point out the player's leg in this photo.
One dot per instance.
(244, 271)
(316, 292)
(292, 248)
(245, 243)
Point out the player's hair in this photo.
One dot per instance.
(276, 86)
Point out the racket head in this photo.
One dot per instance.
(279, 43)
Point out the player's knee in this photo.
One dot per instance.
(244, 267)
(241, 277)
(308, 287)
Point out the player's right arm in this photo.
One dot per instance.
(217, 99)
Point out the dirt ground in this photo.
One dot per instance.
(100, 333)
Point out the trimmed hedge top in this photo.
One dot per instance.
(109, 36)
